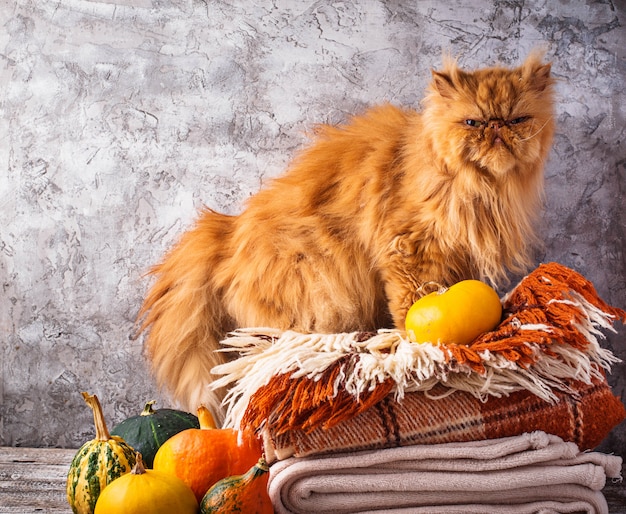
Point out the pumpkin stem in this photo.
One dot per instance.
(138, 468)
(102, 432)
(422, 290)
(148, 410)
(259, 469)
(263, 465)
(206, 419)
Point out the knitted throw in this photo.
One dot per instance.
(549, 336)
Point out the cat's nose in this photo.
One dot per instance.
(495, 124)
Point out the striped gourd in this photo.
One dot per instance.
(97, 463)
(243, 494)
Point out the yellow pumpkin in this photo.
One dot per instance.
(145, 490)
(456, 315)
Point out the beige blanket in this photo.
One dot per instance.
(532, 472)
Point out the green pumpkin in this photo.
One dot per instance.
(96, 464)
(150, 429)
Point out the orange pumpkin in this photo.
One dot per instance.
(456, 315)
(202, 456)
(241, 493)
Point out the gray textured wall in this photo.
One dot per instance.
(121, 118)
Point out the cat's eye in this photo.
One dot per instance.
(516, 121)
(473, 123)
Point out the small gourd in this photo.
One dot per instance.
(150, 429)
(245, 493)
(97, 463)
(145, 490)
(456, 315)
(202, 456)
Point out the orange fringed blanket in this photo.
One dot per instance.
(585, 416)
(548, 338)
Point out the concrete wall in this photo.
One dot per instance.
(121, 118)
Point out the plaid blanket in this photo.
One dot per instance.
(584, 416)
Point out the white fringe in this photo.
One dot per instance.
(266, 352)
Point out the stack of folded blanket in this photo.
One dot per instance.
(370, 422)
(529, 473)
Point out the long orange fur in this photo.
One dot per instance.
(365, 215)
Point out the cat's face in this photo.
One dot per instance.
(493, 120)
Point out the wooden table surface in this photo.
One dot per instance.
(33, 480)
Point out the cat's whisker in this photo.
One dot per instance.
(538, 131)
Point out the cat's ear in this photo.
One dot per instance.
(536, 73)
(443, 84)
(541, 78)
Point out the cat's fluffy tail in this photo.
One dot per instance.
(184, 316)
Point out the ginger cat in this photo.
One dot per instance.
(365, 215)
